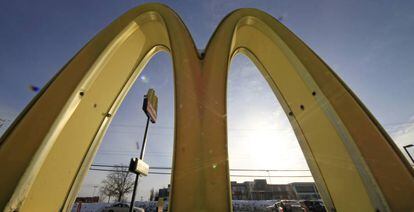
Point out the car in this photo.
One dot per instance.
(121, 207)
(287, 206)
(312, 205)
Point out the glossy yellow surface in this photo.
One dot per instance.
(48, 150)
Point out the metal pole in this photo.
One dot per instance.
(141, 157)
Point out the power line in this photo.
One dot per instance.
(172, 128)
(270, 176)
(272, 170)
(164, 154)
(254, 176)
(399, 123)
(123, 125)
(236, 170)
(395, 124)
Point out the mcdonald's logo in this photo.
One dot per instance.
(46, 153)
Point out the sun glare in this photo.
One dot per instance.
(260, 135)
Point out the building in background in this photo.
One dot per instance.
(163, 193)
(305, 191)
(260, 190)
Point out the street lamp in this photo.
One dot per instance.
(137, 165)
(408, 153)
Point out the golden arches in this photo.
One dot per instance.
(355, 164)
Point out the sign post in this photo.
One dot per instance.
(137, 165)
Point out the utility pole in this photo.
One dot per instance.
(138, 166)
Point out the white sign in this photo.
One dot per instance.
(142, 168)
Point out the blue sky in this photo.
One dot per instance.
(367, 43)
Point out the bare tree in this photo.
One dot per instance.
(118, 183)
(106, 191)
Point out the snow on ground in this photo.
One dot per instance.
(149, 206)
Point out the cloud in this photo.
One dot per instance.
(403, 135)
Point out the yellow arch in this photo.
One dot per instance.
(355, 163)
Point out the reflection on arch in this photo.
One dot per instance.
(355, 164)
(123, 136)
